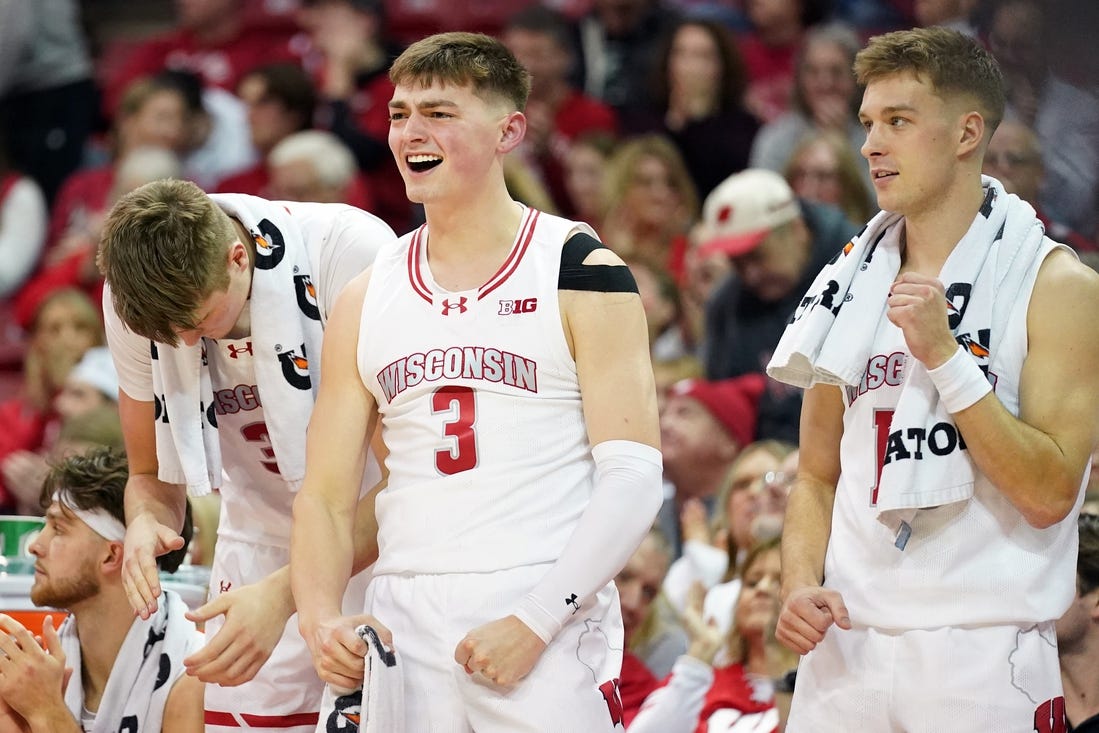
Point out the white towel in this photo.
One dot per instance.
(148, 664)
(377, 706)
(830, 336)
(286, 338)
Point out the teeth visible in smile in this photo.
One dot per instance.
(883, 174)
(424, 158)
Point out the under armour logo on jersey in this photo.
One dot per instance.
(224, 587)
(235, 351)
(571, 601)
(451, 304)
(521, 305)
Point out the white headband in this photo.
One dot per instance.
(100, 520)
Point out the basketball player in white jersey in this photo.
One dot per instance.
(208, 297)
(947, 623)
(503, 352)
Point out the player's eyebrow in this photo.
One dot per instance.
(424, 104)
(892, 109)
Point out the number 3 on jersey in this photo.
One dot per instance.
(462, 455)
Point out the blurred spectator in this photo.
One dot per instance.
(314, 165)
(1014, 157)
(777, 245)
(556, 112)
(770, 48)
(585, 175)
(755, 516)
(1078, 635)
(23, 221)
(349, 60)
(47, 98)
(703, 272)
(153, 113)
(1068, 117)
(727, 682)
(87, 410)
(280, 100)
(660, 299)
(99, 426)
(649, 203)
(825, 97)
(954, 14)
(616, 44)
(1016, 39)
(714, 546)
(64, 326)
(650, 637)
(70, 262)
(697, 102)
(703, 428)
(216, 142)
(822, 170)
(669, 372)
(212, 39)
(92, 383)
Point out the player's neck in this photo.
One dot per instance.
(468, 243)
(930, 236)
(1081, 681)
(102, 624)
(243, 326)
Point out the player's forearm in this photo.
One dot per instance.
(146, 494)
(806, 529)
(1025, 464)
(624, 502)
(321, 553)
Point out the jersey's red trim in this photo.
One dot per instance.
(228, 720)
(414, 275)
(511, 264)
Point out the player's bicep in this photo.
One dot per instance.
(138, 420)
(609, 339)
(345, 411)
(821, 431)
(1058, 389)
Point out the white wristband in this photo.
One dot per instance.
(960, 382)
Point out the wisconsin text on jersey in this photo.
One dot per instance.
(459, 362)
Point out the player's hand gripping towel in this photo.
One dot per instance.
(377, 706)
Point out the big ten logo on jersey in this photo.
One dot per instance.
(520, 305)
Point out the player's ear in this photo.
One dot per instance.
(112, 558)
(238, 256)
(971, 132)
(512, 131)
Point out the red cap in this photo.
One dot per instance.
(733, 402)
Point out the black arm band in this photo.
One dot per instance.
(575, 275)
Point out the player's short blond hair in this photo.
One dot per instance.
(954, 63)
(163, 251)
(459, 59)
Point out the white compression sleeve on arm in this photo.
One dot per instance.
(626, 497)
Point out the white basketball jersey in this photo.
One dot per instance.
(489, 460)
(970, 562)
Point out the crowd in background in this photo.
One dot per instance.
(643, 117)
